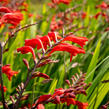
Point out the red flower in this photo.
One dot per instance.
(100, 13)
(42, 42)
(5, 10)
(58, 92)
(54, 36)
(55, 1)
(73, 50)
(74, 14)
(7, 70)
(34, 42)
(43, 98)
(61, 1)
(40, 106)
(84, 14)
(97, 15)
(68, 101)
(53, 24)
(65, 1)
(103, 5)
(81, 105)
(79, 40)
(4, 88)
(13, 18)
(26, 49)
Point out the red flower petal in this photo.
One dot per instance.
(13, 18)
(79, 40)
(68, 101)
(54, 36)
(103, 5)
(81, 105)
(40, 106)
(26, 49)
(58, 92)
(43, 98)
(4, 88)
(65, 1)
(73, 50)
(7, 70)
(5, 10)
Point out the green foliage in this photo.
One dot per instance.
(95, 62)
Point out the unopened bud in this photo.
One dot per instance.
(68, 82)
(25, 97)
(38, 74)
(26, 63)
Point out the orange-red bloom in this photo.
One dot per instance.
(100, 13)
(43, 98)
(42, 42)
(84, 14)
(34, 42)
(79, 40)
(58, 92)
(61, 1)
(40, 106)
(54, 36)
(103, 5)
(4, 88)
(7, 70)
(26, 49)
(81, 105)
(13, 18)
(73, 50)
(68, 101)
(5, 10)
(67, 2)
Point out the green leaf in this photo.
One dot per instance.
(93, 62)
(53, 86)
(99, 76)
(99, 93)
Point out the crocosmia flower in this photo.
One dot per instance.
(81, 105)
(7, 70)
(4, 88)
(61, 1)
(79, 40)
(5, 10)
(40, 106)
(68, 101)
(103, 5)
(26, 49)
(43, 98)
(73, 50)
(65, 1)
(13, 18)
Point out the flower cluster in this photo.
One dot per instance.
(10, 17)
(65, 19)
(104, 7)
(8, 71)
(43, 42)
(78, 86)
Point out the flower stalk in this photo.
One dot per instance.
(1, 79)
